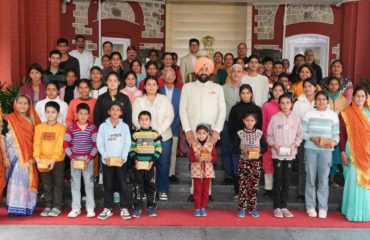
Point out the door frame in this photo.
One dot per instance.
(119, 41)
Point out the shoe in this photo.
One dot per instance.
(210, 198)
(203, 212)
(152, 212)
(125, 214)
(227, 181)
(332, 183)
(254, 213)
(197, 213)
(42, 197)
(241, 213)
(300, 198)
(145, 197)
(267, 194)
(116, 197)
(278, 213)
(174, 179)
(45, 212)
(136, 213)
(74, 213)
(323, 213)
(90, 213)
(105, 214)
(190, 198)
(54, 212)
(311, 212)
(236, 198)
(287, 213)
(163, 196)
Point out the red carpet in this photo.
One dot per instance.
(184, 217)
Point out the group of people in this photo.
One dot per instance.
(117, 120)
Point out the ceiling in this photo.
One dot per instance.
(266, 2)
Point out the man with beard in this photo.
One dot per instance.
(202, 101)
(85, 57)
(309, 56)
(67, 61)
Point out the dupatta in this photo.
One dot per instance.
(358, 131)
(22, 130)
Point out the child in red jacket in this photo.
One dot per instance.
(202, 155)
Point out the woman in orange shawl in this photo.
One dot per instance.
(17, 149)
(355, 152)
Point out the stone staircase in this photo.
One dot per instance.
(222, 194)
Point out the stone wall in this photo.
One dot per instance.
(116, 9)
(153, 20)
(81, 17)
(265, 19)
(309, 13)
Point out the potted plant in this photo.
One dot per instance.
(7, 96)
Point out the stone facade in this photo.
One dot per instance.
(81, 17)
(265, 19)
(153, 20)
(157, 46)
(116, 9)
(309, 13)
(266, 46)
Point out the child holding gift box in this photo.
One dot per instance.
(249, 144)
(113, 142)
(145, 151)
(49, 155)
(202, 155)
(80, 146)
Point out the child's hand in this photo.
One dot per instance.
(86, 163)
(107, 160)
(6, 162)
(51, 165)
(316, 141)
(293, 146)
(150, 165)
(276, 147)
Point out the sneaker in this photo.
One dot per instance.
(125, 214)
(105, 214)
(267, 194)
(278, 213)
(210, 198)
(241, 213)
(236, 198)
(323, 213)
(152, 212)
(45, 212)
(254, 213)
(163, 196)
(90, 213)
(286, 213)
(311, 212)
(136, 213)
(197, 213)
(74, 213)
(116, 197)
(54, 212)
(203, 212)
(190, 198)
(174, 179)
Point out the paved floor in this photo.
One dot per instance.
(18, 232)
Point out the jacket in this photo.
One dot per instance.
(28, 90)
(176, 96)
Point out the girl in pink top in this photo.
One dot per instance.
(269, 109)
(130, 90)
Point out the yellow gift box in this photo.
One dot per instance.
(115, 161)
(78, 164)
(204, 154)
(253, 154)
(143, 165)
(324, 142)
(43, 165)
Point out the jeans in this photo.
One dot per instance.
(163, 167)
(318, 163)
(280, 190)
(88, 178)
(113, 175)
(175, 141)
(53, 184)
(226, 152)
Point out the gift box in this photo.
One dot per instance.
(143, 165)
(204, 154)
(43, 165)
(253, 154)
(324, 142)
(284, 151)
(78, 164)
(115, 161)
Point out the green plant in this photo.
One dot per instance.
(365, 82)
(7, 96)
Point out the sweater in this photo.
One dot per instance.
(80, 143)
(72, 114)
(132, 93)
(40, 109)
(284, 131)
(146, 145)
(260, 87)
(246, 139)
(113, 141)
(162, 114)
(202, 103)
(320, 124)
(48, 142)
(103, 103)
(236, 117)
